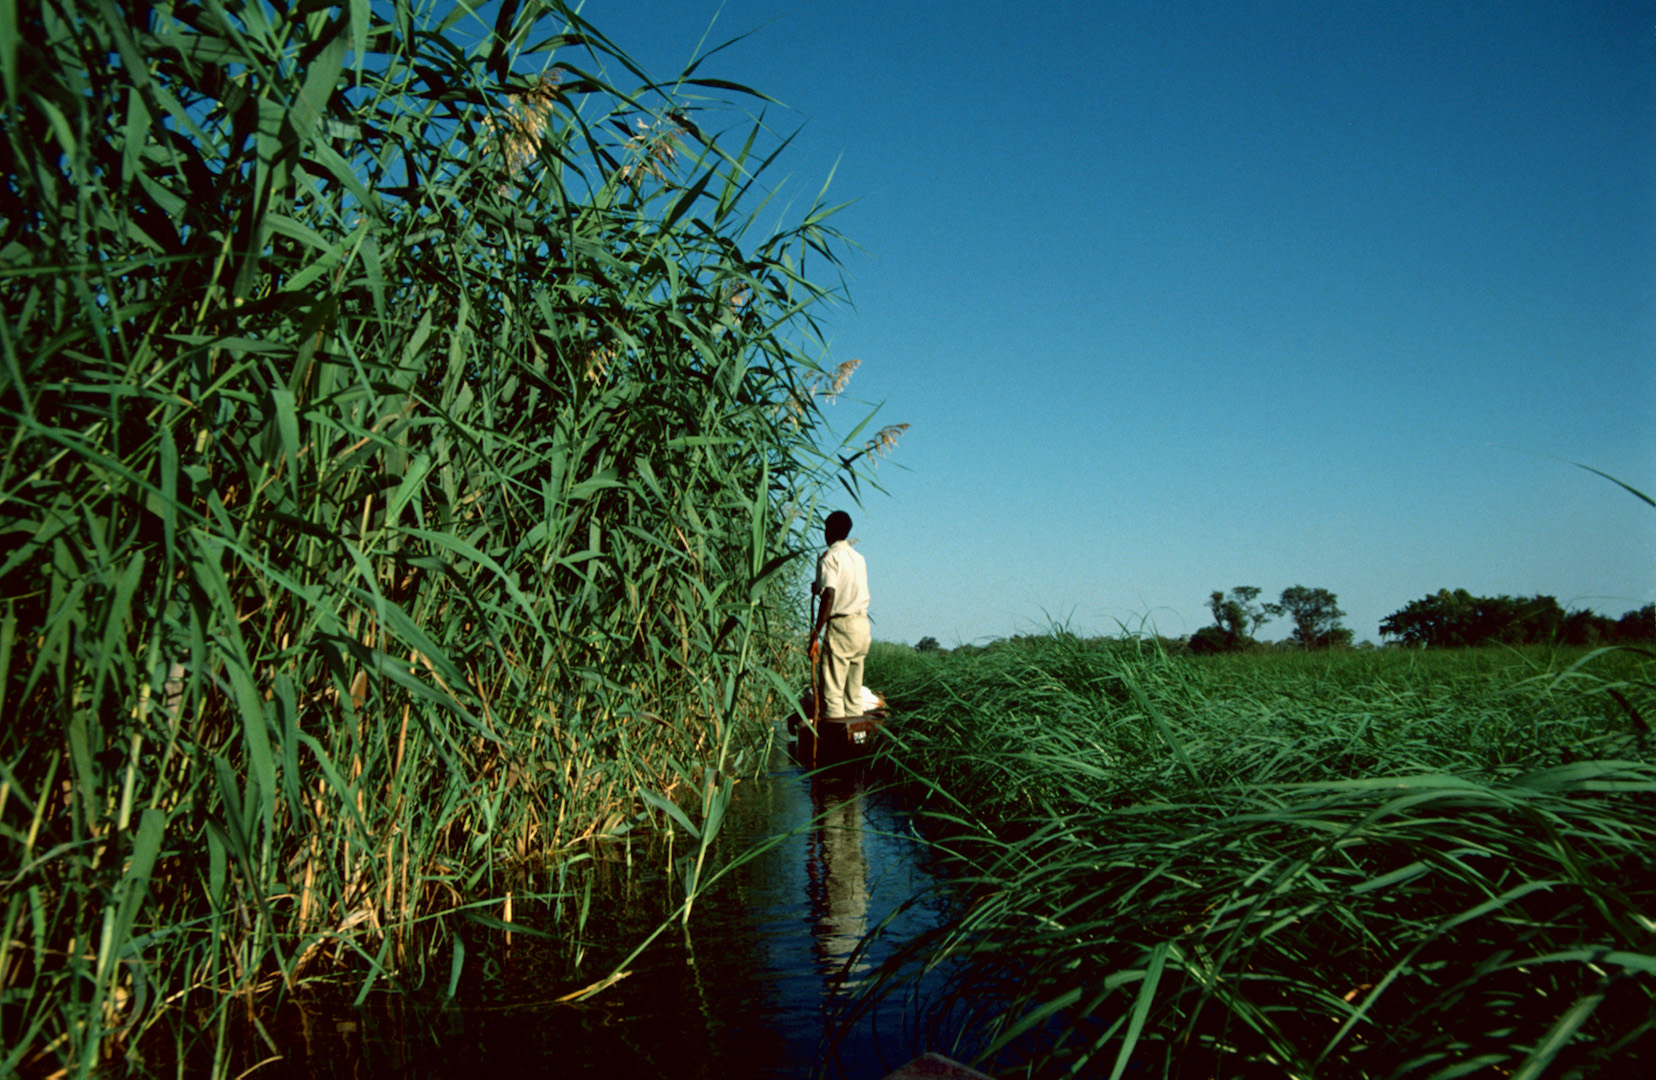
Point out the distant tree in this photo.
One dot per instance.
(1238, 616)
(1587, 628)
(1458, 619)
(1537, 619)
(1227, 614)
(1316, 614)
(927, 644)
(1258, 614)
(1213, 639)
(1435, 620)
(1591, 628)
(1637, 625)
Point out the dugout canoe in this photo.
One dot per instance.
(837, 738)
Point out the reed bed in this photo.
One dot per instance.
(1387, 864)
(409, 436)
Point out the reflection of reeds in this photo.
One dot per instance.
(1339, 864)
(370, 541)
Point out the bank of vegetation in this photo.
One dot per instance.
(1445, 619)
(1458, 619)
(409, 431)
(1387, 863)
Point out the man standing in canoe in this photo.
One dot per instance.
(841, 589)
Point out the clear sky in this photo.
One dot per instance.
(1185, 296)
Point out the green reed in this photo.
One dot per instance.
(409, 435)
(1342, 865)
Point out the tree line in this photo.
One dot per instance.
(1451, 619)
(1443, 619)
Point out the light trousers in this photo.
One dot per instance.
(847, 638)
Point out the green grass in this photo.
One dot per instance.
(409, 440)
(1352, 864)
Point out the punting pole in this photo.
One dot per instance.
(816, 708)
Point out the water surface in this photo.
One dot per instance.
(747, 991)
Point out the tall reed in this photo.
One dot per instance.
(409, 432)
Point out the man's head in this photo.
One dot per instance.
(837, 527)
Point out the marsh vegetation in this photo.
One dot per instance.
(1341, 864)
(409, 431)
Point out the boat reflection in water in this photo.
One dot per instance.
(836, 871)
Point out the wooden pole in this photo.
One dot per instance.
(816, 708)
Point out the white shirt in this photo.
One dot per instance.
(842, 569)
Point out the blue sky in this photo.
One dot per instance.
(1179, 297)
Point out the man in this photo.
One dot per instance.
(841, 589)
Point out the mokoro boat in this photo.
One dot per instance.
(837, 738)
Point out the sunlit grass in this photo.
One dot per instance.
(408, 438)
(1344, 864)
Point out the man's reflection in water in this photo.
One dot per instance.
(836, 871)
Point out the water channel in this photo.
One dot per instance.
(749, 991)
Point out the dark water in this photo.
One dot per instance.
(749, 991)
